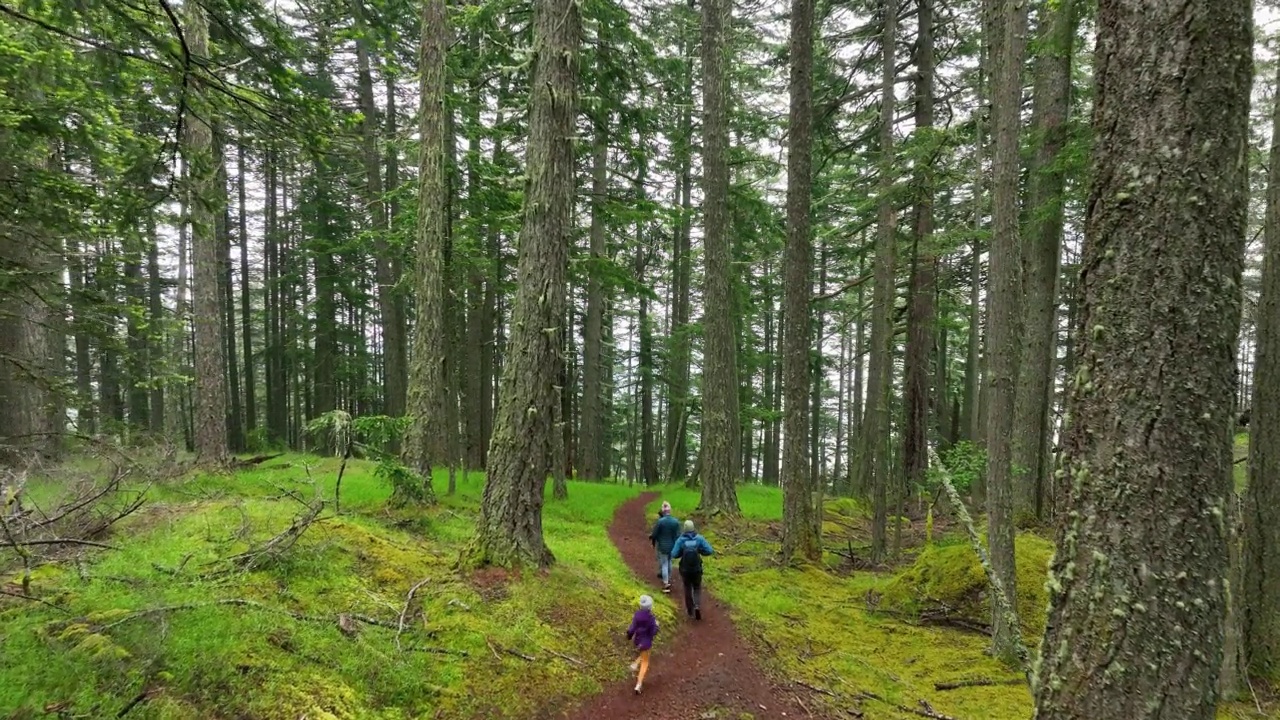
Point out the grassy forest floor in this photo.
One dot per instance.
(171, 625)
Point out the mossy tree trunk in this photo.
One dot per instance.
(1137, 597)
(720, 459)
(874, 442)
(592, 443)
(428, 442)
(1261, 571)
(801, 538)
(1051, 104)
(510, 524)
(210, 382)
(1008, 26)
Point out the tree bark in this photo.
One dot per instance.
(801, 538)
(921, 332)
(874, 443)
(721, 425)
(1009, 27)
(593, 418)
(1261, 568)
(427, 444)
(246, 306)
(210, 383)
(1052, 97)
(1137, 591)
(510, 523)
(681, 266)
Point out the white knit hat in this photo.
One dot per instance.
(646, 602)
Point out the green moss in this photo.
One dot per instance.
(950, 578)
(97, 652)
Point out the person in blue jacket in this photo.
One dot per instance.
(690, 548)
(662, 538)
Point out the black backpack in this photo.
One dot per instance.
(690, 558)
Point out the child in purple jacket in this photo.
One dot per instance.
(644, 627)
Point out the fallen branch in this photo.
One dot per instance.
(509, 651)
(814, 688)
(405, 611)
(976, 682)
(255, 557)
(57, 541)
(924, 709)
(999, 597)
(241, 602)
(562, 656)
(34, 599)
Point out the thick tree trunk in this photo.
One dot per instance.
(1040, 261)
(427, 444)
(1137, 591)
(210, 359)
(721, 425)
(801, 538)
(1261, 567)
(874, 443)
(921, 332)
(1004, 299)
(510, 523)
(593, 389)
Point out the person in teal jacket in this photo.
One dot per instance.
(691, 548)
(662, 538)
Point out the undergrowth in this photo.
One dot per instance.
(164, 628)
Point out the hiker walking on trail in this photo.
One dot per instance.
(690, 549)
(663, 538)
(644, 627)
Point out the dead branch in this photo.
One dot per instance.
(562, 656)
(241, 602)
(976, 682)
(56, 541)
(405, 611)
(32, 598)
(999, 596)
(923, 710)
(509, 651)
(256, 557)
(815, 688)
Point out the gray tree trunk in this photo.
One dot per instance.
(1137, 587)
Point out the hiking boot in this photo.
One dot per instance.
(697, 613)
(637, 688)
(666, 588)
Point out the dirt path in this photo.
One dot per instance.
(697, 666)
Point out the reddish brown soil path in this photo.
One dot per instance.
(697, 666)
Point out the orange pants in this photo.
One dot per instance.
(644, 666)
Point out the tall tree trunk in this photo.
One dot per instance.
(210, 386)
(1261, 567)
(648, 432)
(681, 265)
(1052, 102)
(155, 320)
(235, 428)
(427, 445)
(137, 376)
(921, 330)
(1004, 298)
(1137, 591)
(246, 305)
(772, 343)
(510, 523)
(86, 413)
(857, 485)
(593, 389)
(721, 425)
(801, 538)
(874, 444)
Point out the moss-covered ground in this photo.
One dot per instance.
(877, 640)
(150, 620)
(164, 628)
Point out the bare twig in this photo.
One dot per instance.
(408, 600)
(562, 656)
(32, 598)
(56, 541)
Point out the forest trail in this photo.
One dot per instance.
(697, 666)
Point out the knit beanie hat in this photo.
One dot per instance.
(689, 526)
(646, 602)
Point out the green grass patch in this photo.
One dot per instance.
(153, 616)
